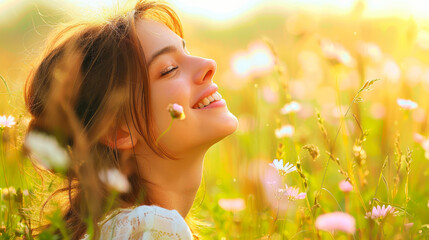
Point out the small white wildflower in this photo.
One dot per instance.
(283, 170)
(7, 121)
(406, 104)
(291, 107)
(285, 131)
(47, 151)
(114, 179)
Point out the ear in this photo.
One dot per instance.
(120, 138)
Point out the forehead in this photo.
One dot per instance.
(154, 35)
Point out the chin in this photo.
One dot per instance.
(229, 125)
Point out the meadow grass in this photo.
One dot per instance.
(346, 74)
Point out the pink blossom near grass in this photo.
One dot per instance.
(7, 121)
(408, 226)
(337, 53)
(380, 212)
(234, 204)
(418, 138)
(345, 186)
(406, 104)
(292, 193)
(336, 221)
(271, 181)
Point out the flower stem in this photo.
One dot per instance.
(3, 159)
(163, 133)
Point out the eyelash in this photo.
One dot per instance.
(168, 70)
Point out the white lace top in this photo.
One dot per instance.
(144, 223)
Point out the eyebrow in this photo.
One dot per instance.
(165, 50)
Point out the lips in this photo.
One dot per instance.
(208, 96)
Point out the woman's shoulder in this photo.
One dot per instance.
(144, 222)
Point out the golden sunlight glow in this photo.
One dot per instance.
(227, 10)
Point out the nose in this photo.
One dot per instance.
(205, 69)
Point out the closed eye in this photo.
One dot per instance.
(169, 70)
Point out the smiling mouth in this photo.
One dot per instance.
(214, 97)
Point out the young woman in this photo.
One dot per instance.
(102, 89)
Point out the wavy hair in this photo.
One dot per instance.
(91, 76)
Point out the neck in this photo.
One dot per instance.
(172, 184)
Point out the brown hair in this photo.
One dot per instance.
(90, 78)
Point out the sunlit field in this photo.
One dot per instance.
(333, 137)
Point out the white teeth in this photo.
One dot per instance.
(206, 101)
(216, 96)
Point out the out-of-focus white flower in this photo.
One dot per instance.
(391, 70)
(258, 60)
(336, 221)
(292, 193)
(291, 107)
(234, 205)
(7, 121)
(337, 53)
(371, 51)
(380, 212)
(283, 170)
(115, 180)
(285, 131)
(176, 111)
(345, 186)
(47, 151)
(406, 104)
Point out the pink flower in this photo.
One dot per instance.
(336, 221)
(337, 53)
(418, 138)
(380, 212)
(408, 225)
(345, 186)
(176, 111)
(235, 204)
(7, 122)
(293, 193)
(406, 104)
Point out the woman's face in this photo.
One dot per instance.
(178, 77)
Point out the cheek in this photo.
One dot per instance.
(161, 97)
